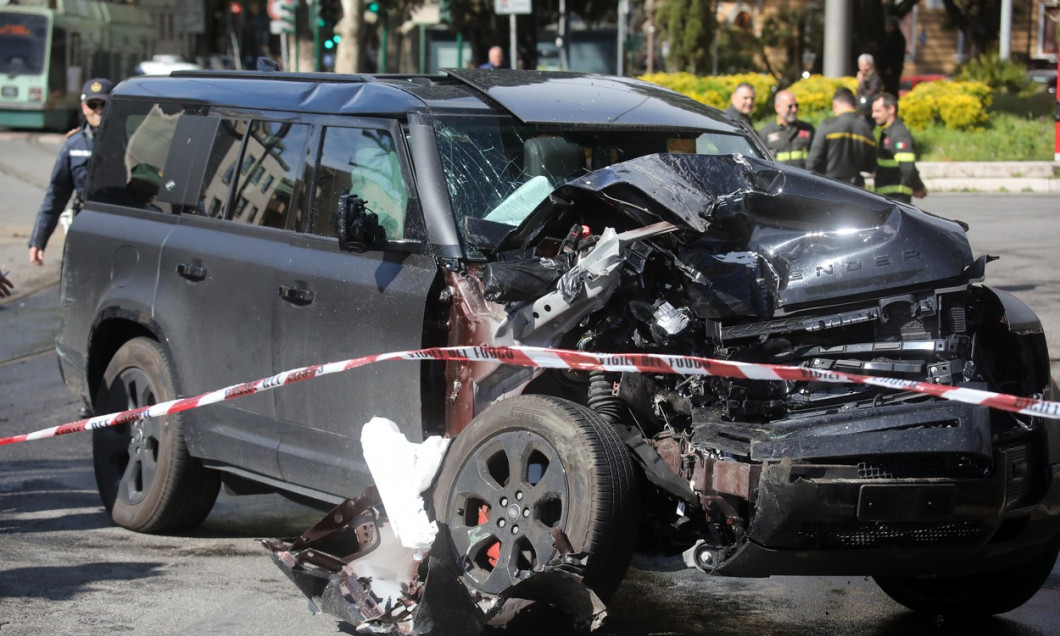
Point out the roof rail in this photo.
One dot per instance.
(301, 76)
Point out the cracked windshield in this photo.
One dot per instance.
(499, 170)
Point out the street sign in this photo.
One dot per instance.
(512, 7)
(282, 14)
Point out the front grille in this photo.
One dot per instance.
(923, 467)
(854, 534)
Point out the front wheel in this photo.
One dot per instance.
(528, 464)
(146, 478)
(983, 594)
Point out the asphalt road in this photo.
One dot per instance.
(67, 569)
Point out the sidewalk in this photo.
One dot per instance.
(1000, 176)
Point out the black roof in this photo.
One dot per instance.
(539, 97)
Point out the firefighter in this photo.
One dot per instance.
(843, 147)
(896, 173)
(788, 137)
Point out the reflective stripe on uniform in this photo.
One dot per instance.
(895, 189)
(886, 163)
(793, 155)
(80, 153)
(905, 156)
(856, 137)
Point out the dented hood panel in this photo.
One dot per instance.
(793, 236)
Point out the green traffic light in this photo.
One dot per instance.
(337, 38)
(373, 7)
(328, 44)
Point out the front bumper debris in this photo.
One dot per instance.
(351, 565)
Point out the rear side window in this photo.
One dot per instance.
(155, 156)
(130, 154)
(361, 161)
(265, 188)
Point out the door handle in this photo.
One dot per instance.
(296, 295)
(191, 271)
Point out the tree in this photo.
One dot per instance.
(688, 26)
(979, 20)
(350, 54)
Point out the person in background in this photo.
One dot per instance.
(891, 57)
(788, 137)
(870, 84)
(495, 58)
(71, 166)
(743, 103)
(896, 173)
(843, 146)
(5, 285)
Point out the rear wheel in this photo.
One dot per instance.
(977, 594)
(146, 478)
(524, 466)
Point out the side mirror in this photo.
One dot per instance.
(357, 226)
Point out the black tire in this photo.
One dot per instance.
(540, 462)
(145, 477)
(976, 595)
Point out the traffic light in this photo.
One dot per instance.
(373, 7)
(330, 12)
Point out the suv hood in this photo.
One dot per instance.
(752, 227)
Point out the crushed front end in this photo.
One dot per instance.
(736, 259)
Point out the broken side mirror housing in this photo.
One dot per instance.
(358, 227)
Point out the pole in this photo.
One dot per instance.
(383, 37)
(1005, 43)
(513, 57)
(650, 10)
(836, 37)
(623, 9)
(314, 24)
(460, 50)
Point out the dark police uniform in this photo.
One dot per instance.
(896, 173)
(70, 169)
(68, 177)
(843, 148)
(789, 143)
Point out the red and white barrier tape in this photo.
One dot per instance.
(562, 359)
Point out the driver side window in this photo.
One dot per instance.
(364, 162)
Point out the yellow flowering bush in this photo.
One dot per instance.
(815, 95)
(957, 105)
(717, 90)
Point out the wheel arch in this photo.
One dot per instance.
(113, 328)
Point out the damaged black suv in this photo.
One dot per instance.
(239, 224)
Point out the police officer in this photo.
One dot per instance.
(788, 137)
(896, 173)
(843, 146)
(71, 166)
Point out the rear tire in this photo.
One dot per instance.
(147, 480)
(527, 464)
(975, 595)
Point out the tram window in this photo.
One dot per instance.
(57, 70)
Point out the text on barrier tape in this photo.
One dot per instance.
(562, 359)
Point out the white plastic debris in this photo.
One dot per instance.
(402, 471)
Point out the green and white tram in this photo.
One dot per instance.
(48, 48)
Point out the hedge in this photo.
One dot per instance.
(955, 105)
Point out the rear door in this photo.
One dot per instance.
(344, 305)
(218, 272)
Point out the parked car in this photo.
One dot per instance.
(241, 223)
(163, 64)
